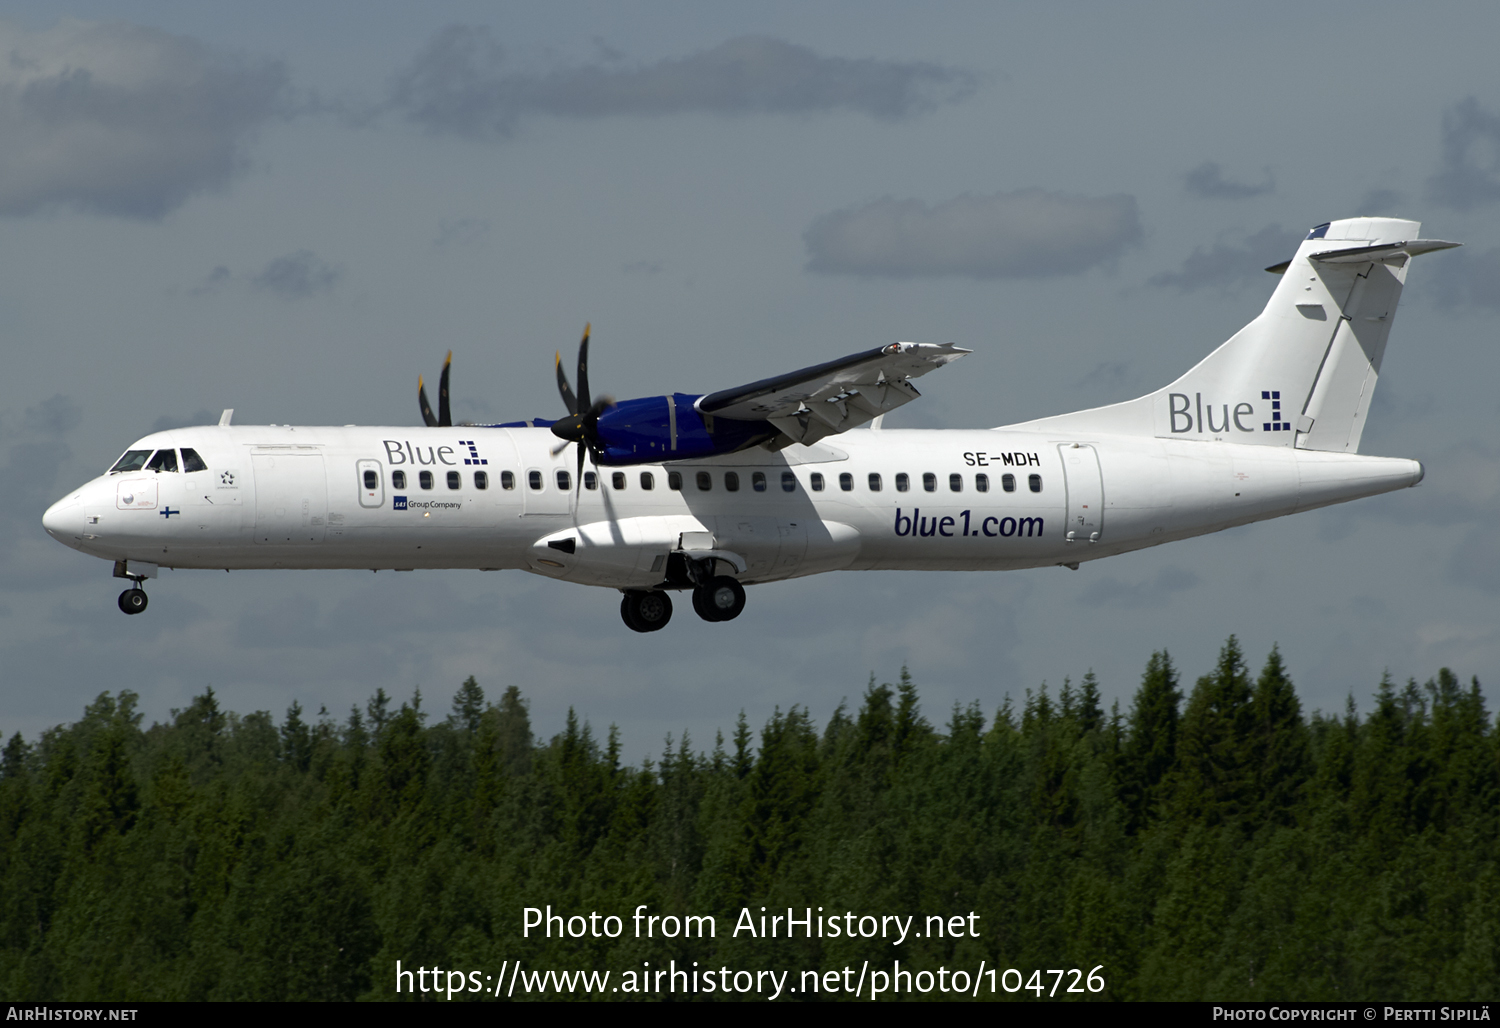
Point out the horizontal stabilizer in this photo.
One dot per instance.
(1381, 251)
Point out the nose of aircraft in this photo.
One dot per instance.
(55, 521)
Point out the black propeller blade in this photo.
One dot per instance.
(581, 426)
(444, 416)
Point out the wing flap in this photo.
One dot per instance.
(825, 399)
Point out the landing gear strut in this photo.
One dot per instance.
(132, 600)
(719, 599)
(644, 611)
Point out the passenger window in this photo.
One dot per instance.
(590, 480)
(507, 480)
(481, 480)
(846, 481)
(903, 483)
(816, 480)
(874, 482)
(133, 460)
(956, 483)
(982, 483)
(455, 480)
(372, 479)
(165, 460)
(398, 480)
(732, 481)
(705, 481)
(192, 462)
(564, 481)
(424, 479)
(1008, 483)
(534, 479)
(674, 481)
(618, 480)
(929, 481)
(647, 480)
(788, 482)
(1035, 481)
(758, 481)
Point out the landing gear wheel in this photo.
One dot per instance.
(722, 599)
(646, 611)
(133, 601)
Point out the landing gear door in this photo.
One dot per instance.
(1085, 493)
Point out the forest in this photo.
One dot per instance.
(1212, 842)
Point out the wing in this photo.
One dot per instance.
(829, 398)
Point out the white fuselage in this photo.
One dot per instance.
(284, 497)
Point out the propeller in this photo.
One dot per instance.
(581, 426)
(444, 417)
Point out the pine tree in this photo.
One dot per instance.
(468, 705)
(1090, 715)
(1150, 748)
(296, 740)
(1214, 778)
(1280, 749)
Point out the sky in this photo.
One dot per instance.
(293, 210)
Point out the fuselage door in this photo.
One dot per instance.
(548, 490)
(1085, 493)
(371, 483)
(793, 535)
(291, 498)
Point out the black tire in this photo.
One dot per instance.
(653, 610)
(700, 604)
(627, 614)
(133, 601)
(646, 611)
(723, 599)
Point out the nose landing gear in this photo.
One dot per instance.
(133, 600)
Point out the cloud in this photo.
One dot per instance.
(1231, 263)
(170, 421)
(1106, 374)
(462, 232)
(1111, 592)
(1468, 279)
(1207, 182)
(123, 120)
(1378, 202)
(458, 84)
(297, 276)
(1468, 173)
(1030, 233)
(35, 450)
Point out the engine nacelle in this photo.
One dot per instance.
(653, 429)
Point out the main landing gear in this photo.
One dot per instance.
(715, 597)
(719, 599)
(646, 611)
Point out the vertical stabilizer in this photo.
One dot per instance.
(1302, 373)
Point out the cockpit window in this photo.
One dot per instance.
(165, 460)
(133, 460)
(191, 461)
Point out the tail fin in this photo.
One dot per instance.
(1302, 373)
